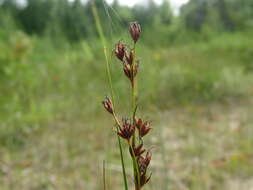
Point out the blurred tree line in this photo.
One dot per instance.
(74, 21)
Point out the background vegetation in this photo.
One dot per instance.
(196, 81)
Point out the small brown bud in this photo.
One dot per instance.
(127, 70)
(108, 105)
(130, 57)
(135, 30)
(148, 157)
(119, 50)
(138, 123)
(130, 70)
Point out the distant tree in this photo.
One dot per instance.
(241, 12)
(35, 16)
(146, 15)
(166, 12)
(74, 21)
(194, 14)
(224, 14)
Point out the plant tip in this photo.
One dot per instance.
(135, 30)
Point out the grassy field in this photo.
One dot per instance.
(54, 133)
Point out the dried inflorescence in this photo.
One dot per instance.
(143, 127)
(135, 30)
(143, 163)
(127, 129)
(120, 50)
(132, 130)
(127, 59)
(136, 151)
(108, 105)
(129, 71)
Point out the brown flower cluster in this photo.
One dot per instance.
(135, 129)
(127, 130)
(127, 57)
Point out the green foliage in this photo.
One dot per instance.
(221, 15)
(40, 78)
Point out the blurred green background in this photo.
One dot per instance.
(195, 85)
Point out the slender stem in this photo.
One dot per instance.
(104, 179)
(133, 99)
(133, 84)
(122, 161)
(102, 38)
(116, 120)
(133, 88)
(135, 167)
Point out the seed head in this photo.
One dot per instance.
(107, 103)
(130, 71)
(135, 30)
(143, 127)
(127, 129)
(127, 70)
(144, 179)
(143, 163)
(138, 150)
(119, 50)
(130, 57)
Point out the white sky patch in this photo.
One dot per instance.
(175, 4)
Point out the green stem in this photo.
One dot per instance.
(134, 97)
(102, 38)
(104, 179)
(122, 162)
(134, 82)
(135, 167)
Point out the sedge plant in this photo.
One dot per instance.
(131, 130)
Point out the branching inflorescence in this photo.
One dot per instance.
(133, 129)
